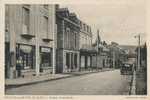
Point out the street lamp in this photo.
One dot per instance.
(138, 58)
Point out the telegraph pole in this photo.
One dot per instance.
(138, 58)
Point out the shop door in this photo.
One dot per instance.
(75, 60)
(67, 60)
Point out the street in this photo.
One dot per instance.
(102, 83)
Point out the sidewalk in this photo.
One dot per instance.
(10, 83)
(141, 82)
(133, 84)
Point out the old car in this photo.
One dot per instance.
(126, 68)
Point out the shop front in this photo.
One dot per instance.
(85, 59)
(71, 62)
(25, 60)
(46, 60)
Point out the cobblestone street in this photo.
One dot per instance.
(102, 83)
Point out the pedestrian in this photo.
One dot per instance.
(19, 66)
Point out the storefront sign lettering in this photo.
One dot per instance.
(45, 49)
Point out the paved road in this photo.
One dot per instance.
(102, 83)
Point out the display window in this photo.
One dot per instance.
(25, 54)
(46, 57)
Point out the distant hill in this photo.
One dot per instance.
(131, 48)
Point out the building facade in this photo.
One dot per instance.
(118, 55)
(67, 40)
(103, 55)
(87, 52)
(29, 31)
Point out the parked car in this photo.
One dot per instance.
(126, 69)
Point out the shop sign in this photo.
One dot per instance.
(26, 48)
(47, 50)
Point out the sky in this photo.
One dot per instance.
(117, 21)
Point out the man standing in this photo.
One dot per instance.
(19, 66)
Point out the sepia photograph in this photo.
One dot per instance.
(75, 49)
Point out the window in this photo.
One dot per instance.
(46, 59)
(75, 40)
(45, 25)
(67, 40)
(26, 16)
(26, 54)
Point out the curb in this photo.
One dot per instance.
(133, 85)
(69, 76)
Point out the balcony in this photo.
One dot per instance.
(27, 36)
(87, 49)
(47, 39)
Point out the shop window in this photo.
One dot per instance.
(46, 59)
(25, 54)
(46, 56)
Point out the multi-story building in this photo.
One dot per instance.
(67, 40)
(29, 31)
(103, 55)
(86, 49)
(117, 55)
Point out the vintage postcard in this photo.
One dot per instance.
(74, 50)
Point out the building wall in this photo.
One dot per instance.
(67, 41)
(15, 30)
(94, 61)
(85, 46)
(85, 36)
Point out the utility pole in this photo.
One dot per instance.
(138, 58)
